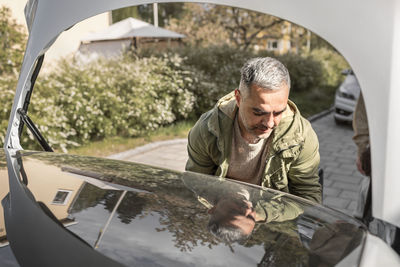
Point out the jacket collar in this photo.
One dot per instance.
(227, 105)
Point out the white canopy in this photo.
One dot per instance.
(129, 28)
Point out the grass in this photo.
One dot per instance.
(117, 144)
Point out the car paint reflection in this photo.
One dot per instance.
(121, 212)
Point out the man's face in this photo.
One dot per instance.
(235, 212)
(260, 111)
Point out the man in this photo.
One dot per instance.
(234, 209)
(361, 137)
(256, 135)
(389, 233)
(232, 218)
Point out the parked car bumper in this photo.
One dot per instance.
(344, 109)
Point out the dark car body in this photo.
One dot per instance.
(66, 210)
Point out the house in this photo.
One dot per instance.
(124, 35)
(290, 39)
(68, 42)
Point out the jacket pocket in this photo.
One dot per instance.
(279, 180)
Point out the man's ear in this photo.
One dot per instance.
(238, 97)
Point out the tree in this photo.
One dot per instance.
(247, 28)
(166, 12)
(12, 43)
(226, 25)
(123, 13)
(12, 46)
(199, 26)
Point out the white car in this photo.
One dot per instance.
(346, 98)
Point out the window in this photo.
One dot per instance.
(61, 197)
(272, 45)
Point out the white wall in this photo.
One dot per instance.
(68, 42)
(17, 8)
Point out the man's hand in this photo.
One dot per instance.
(364, 162)
(359, 166)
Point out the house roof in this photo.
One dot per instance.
(130, 27)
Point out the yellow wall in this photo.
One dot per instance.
(43, 181)
(284, 45)
(3, 193)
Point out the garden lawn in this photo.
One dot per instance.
(114, 145)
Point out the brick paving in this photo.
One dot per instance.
(342, 181)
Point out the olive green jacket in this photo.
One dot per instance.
(292, 160)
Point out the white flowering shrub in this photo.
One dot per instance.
(79, 103)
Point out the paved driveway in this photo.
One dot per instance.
(342, 181)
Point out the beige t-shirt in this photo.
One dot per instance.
(247, 162)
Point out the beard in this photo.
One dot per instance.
(260, 132)
(254, 133)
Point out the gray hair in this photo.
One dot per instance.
(225, 232)
(265, 72)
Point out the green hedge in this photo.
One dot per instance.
(219, 72)
(218, 69)
(332, 65)
(76, 104)
(305, 72)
